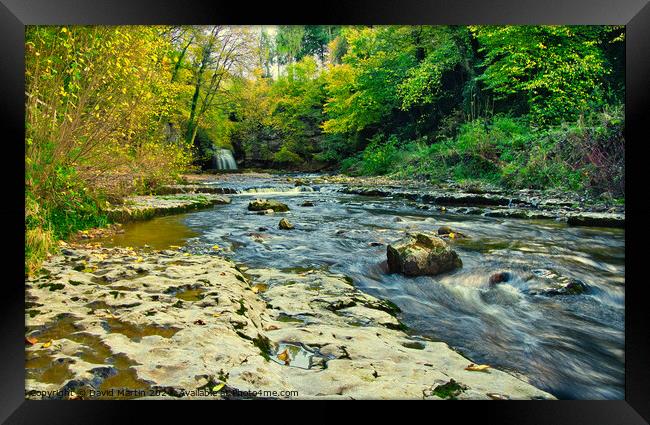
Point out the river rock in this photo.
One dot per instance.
(267, 204)
(499, 277)
(551, 283)
(446, 231)
(307, 204)
(421, 254)
(569, 287)
(149, 206)
(285, 224)
(596, 219)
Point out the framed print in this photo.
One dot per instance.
(362, 201)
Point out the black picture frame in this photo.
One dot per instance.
(635, 14)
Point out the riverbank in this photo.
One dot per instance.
(177, 325)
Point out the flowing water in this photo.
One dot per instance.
(571, 346)
(223, 160)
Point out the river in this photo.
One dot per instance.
(571, 346)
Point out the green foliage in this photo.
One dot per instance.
(380, 157)
(508, 151)
(480, 102)
(362, 91)
(98, 100)
(423, 84)
(286, 157)
(558, 70)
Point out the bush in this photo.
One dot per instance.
(63, 207)
(380, 158)
(287, 157)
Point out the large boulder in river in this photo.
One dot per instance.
(267, 204)
(421, 254)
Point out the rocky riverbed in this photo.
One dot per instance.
(474, 198)
(170, 324)
(311, 308)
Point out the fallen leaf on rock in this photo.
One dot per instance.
(452, 235)
(216, 247)
(218, 387)
(477, 367)
(284, 356)
(47, 344)
(31, 340)
(139, 260)
(216, 314)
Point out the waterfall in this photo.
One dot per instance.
(223, 160)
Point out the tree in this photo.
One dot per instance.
(219, 52)
(558, 71)
(363, 90)
(288, 41)
(315, 40)
(266, 52)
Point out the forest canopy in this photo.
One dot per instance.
(118, 110)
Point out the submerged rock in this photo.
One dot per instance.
(285, 224)
(307, 204)
(570, 287)
(447, 231)
(553, 284)
(421, 254)
(267, 204)
(499, 277)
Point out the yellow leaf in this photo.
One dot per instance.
(31, 340)
(47, 344)
(218, 387)
(284, 356)
(452, 235)
(216, 247)
(477, 367)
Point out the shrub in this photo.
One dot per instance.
(286, 156)
(379, 158)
